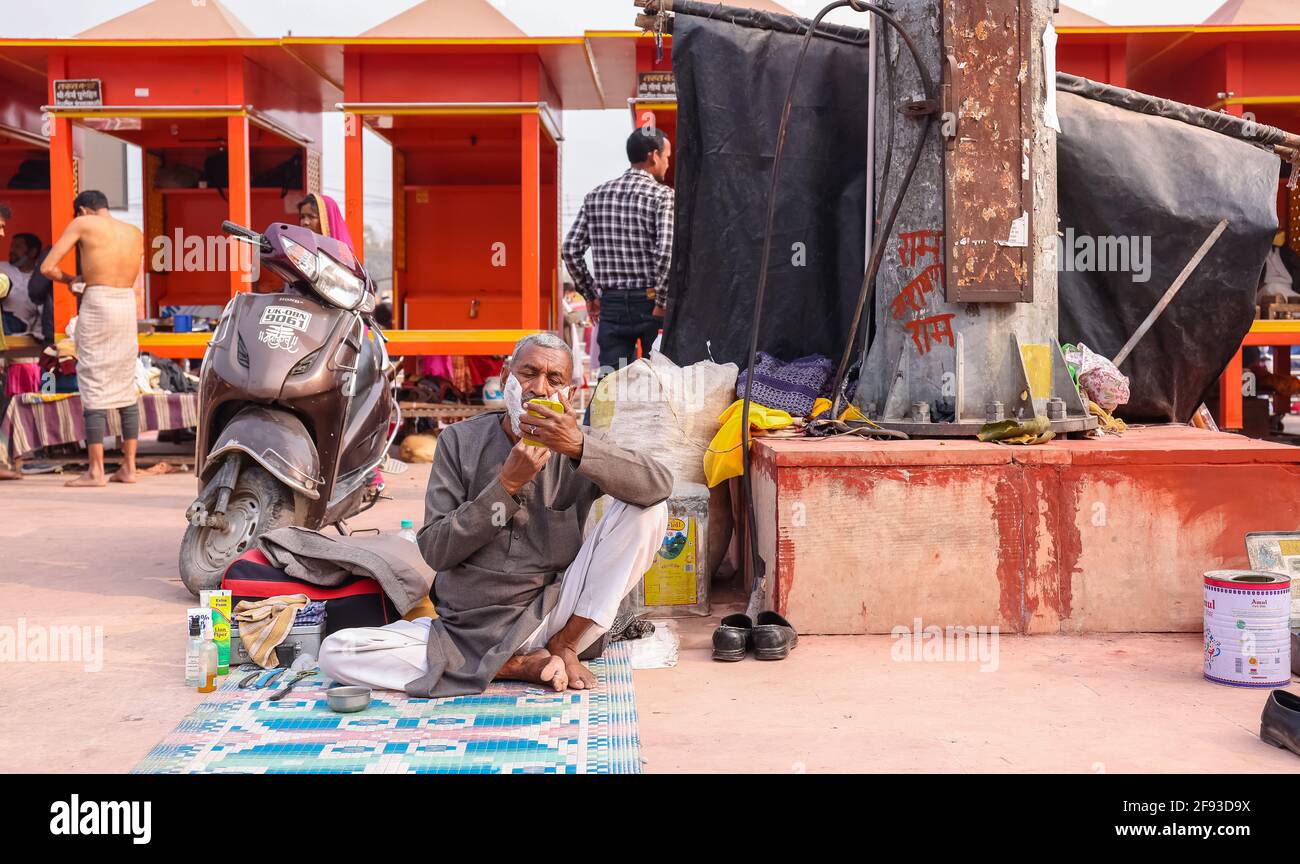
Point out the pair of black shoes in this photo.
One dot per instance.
(1279, 725)
(772, 638)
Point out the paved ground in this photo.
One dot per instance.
(107, 557)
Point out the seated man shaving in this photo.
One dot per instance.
(519, 593)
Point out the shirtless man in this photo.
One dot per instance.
(112, 253)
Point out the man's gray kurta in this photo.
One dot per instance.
(499, 558)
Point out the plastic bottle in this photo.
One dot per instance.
(407, 531)
(208, 661)
(194, 653)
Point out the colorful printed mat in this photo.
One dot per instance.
(510, 729)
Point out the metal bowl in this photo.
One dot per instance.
(347, 700)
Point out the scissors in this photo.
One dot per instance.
(306, 673)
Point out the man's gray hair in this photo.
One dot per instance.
(542, 340)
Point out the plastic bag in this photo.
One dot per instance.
(1101, 381)
(666, 411)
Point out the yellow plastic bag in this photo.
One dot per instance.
(724, 459)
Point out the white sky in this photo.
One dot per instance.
(593, 146)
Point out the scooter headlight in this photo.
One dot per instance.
(338, 285)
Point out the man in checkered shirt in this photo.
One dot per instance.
(628, 225)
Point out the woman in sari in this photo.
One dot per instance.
(322, 214)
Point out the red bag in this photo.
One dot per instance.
(358, 602)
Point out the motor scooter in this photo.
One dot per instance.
(297, 403)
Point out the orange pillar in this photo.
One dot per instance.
(530, 203)
(1230, 394)
(353, 163)
(63, 188)
(354, 181)
(238, 157)
(241, 199)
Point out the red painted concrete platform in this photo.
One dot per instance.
(1074, 536)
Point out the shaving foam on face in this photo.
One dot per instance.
(514, 396)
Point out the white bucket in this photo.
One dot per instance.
(1247, 640)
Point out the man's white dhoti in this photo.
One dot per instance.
(107, 348)
(618, 552)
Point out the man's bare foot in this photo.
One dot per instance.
(122, 475)
(6, 474)
(540, 667)
(88, 479)
(580, 677)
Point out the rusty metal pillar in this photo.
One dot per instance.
(965, 303)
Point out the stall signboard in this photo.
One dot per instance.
(78, 93)
(656, 85)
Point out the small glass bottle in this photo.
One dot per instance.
(208, 661)
(194, 653)
(407, 531)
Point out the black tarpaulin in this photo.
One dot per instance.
(1121, 174)
(1127, 180)
(732, 80)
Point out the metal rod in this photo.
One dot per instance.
(139, 109)
(1169, 295)
(870, 232)
(258, 118)
(543, 110)
(378, 107)
(754, 18)
(24, 135)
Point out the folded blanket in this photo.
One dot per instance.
(264, 624)
(327, 560)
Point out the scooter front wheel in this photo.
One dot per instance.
(259, 503)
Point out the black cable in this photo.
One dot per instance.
(878, 245)
(869, 276)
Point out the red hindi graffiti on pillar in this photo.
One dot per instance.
(926, 332)
(915, 246)
(913, 294)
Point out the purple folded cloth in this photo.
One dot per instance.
(792, 386)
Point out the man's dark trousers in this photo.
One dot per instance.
(626, 317)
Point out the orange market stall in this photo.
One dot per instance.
(471, 107)
(229, 127)
(24, 146)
